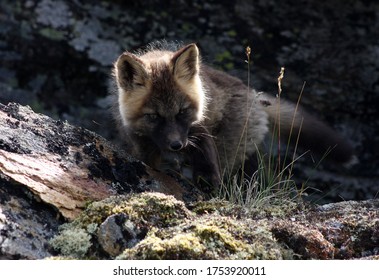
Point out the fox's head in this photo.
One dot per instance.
(160, 94)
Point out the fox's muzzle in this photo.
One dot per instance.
(176, 145)
(172, 136)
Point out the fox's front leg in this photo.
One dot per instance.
(205, 161)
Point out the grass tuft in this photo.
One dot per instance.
(272, 182)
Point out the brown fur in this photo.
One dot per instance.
(171, 106)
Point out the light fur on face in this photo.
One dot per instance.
(134, 79)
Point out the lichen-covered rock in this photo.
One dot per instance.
(156, 226)
(26, 224)
(122, 221)
(117, 233)
(111, 237)
(210, 237)
(49, 170)
(147, 208)
(352, 226)
(305, 241)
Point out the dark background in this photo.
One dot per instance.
(56, 56)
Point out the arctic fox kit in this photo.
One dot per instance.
(172, 107)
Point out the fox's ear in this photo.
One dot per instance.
(130, 71)
(186, 62)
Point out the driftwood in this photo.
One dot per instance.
(67, 166)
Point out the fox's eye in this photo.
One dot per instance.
(183, 112)
(151, 117)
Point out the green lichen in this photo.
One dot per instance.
(52, 34)
(232, 33)
(211, 206)
(231, 238)
(179, 246)
(209, 237)
(226, 59)
(173, 232)
(72, 242)
(146, 207)
(220, 241)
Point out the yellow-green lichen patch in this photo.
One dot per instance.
(284, 209)
(214, 205)
(158, 209)
(268, 210)
(218, 237)
(145, 207)
(222, 243)
(141, 213)
(240, 239)
(72, 242)
(178, 246)
(209, 237)
(157, 226)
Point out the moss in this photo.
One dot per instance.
(52, 34)
(209, 237)
(275, 209)
(221, 241)
(179, 246)
(147, 210)
(240, 239)
(210, 206)
(72, 242)
(60, 258)
(158, 209)
(172, 231)
(226, 59)
(146, 207)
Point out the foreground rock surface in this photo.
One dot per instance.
(157, 226)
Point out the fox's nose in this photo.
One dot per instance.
(176, 145)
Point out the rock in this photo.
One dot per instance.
(26, 224)
(116, 234)
(345, 230)
(303, 240)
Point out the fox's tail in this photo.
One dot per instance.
(299, 127)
